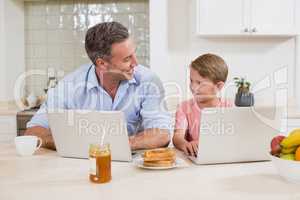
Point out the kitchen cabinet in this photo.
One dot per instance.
(246, 17)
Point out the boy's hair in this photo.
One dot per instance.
(211, 66)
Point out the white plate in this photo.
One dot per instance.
(138, 161)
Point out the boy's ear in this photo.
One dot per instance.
(220, 85)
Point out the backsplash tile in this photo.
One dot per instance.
(55, 31)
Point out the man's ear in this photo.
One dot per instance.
(101, 64)
(220, 85)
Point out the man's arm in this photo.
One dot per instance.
(44, 134)
(38, 125)
(150, 138)
(155, 119)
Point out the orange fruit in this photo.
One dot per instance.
(297, 154)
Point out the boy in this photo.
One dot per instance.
(208, 74)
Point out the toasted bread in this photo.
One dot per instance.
(159, 153)
(161, 157)
(153, 159)
(163, 163)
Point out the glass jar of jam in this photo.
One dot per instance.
(100, 163)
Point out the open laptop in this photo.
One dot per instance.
(238, 134)
(74, 130)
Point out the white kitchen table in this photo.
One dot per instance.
(47, 176)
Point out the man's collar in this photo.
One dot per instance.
(92, 81)
(132, 81)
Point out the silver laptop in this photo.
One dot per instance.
(74, 130)
(238, 134)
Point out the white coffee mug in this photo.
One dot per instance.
(27, 145)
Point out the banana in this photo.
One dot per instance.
(289, 150)
(294, 131)
(292, 140)
(287, 156)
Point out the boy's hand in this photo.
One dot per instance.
(189, 148)
(194, 145)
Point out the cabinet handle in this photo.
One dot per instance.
(254, 30)
(246, 30)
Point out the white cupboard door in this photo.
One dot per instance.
(273, 17)
(218, 17)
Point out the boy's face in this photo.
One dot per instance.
(203, 89)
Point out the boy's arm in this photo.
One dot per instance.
(179, 141)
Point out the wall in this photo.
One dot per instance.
(297, 74)
(173, 46)
(55, 32)
(255, 58)
(11, 46)
(2, 54)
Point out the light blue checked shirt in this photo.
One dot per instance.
(141, 99)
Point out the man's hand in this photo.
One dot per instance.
(150, 138)
(44, 134)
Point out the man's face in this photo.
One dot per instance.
(123, 60)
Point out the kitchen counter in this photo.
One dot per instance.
(10, 108)
(48, 176)
(8, 111)
(293, 113)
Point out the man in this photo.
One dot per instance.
(114, 81)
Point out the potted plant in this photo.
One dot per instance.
(243, 97)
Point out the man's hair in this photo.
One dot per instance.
(211, 66)
(99, 39)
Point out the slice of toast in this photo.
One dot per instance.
(160, 157)
(163, 163)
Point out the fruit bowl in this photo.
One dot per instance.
(287, 169)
